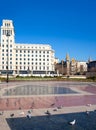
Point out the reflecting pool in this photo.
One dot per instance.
(38, 90)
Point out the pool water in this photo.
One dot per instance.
(38, 90)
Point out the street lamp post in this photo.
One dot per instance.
(8, 35)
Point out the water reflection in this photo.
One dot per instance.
(38, 90)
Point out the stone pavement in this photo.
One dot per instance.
(6, 119)
(62, 108)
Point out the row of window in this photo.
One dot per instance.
(32, 68)
(6, 62)
(5, 67)
(6, 50)
(34, 47)
(26, 68)
(31, 51)
(27, 55)
(7, 24)
(33, 63)
(32, 59)
(3, 45)
(5, 58)
(6, 54)
(6, 41)
(21, 63)
(5, 32)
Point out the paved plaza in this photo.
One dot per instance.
(78, 104)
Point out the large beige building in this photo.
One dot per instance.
(71, 67)
(23, 59)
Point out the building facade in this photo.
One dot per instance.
(23, 59)
(71, 67)
(91, 69)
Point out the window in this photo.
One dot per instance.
(10, 40)
(2, 45)
(11, 67)
(6, 40)
(3, 40)
(10, 45)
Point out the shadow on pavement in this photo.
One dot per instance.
(84, 121)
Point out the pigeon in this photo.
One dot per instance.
(48, 113)
(29, 116)
(12, 114)
(87, 112)
(72, 122)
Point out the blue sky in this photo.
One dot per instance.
(69, 26)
